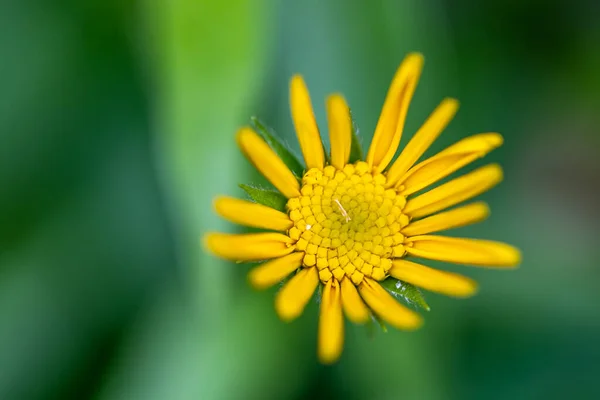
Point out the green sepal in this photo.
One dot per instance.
(370, 325)
(266, 197)
(285, 280)
(278, 146)
(319, 293)
(405, 291)
(356, 151)
(379, 322)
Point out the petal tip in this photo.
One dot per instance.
(284, 311)
(336, 99)
(217, 203)
(485, 209)
(481, 209)
(359, 318)
(515, 258)
(297, 82)
(451, 103)
(243, 134)
(415, 57)
(496, 172)
(254, 279)
(328, 357)
(209, 242)
(494, 140)
(469, 289)
(414, 322)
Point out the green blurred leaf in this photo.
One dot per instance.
(356, 151)
(269, 198)
(405, 291)
(278, 146)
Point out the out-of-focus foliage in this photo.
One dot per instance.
(117, 125)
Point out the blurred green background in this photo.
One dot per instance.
(117, 123)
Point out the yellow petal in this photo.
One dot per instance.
(420, 142)
(391, 122)
(272, 272)
(268, 163)
(340, 130)
(293, 297)
(433, 279)
(461, 216)
(448, 161)
(454, 191)
(306, 124)
(256, 215)
(484, 253)
(354, 307)
(331, 324)
(249, 246)
(386, 307)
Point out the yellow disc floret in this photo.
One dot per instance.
(347, 223)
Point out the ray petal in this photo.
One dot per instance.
(305, 124)
(454, 191)
(393, 114)
(448, 161)
(249, 246)
(432, 279)
(268, 163)
(340, 130)
(386, 307)
(477, 252)
(331, 324)
(293, 297)
(420, 142)
(456, 218)
(354, 307)
(274, 271)
(252, 214)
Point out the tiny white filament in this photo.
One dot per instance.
(344, 213)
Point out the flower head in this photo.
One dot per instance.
(351, 225)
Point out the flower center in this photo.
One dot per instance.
(347, 223)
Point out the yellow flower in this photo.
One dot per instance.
(349, 226)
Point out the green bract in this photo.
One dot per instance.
(405, 291)
(267, 197)
(356, 152)
(278, 146)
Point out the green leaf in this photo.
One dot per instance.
(356, 152)
(269, 198)
(273, 140)
(405, 291)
